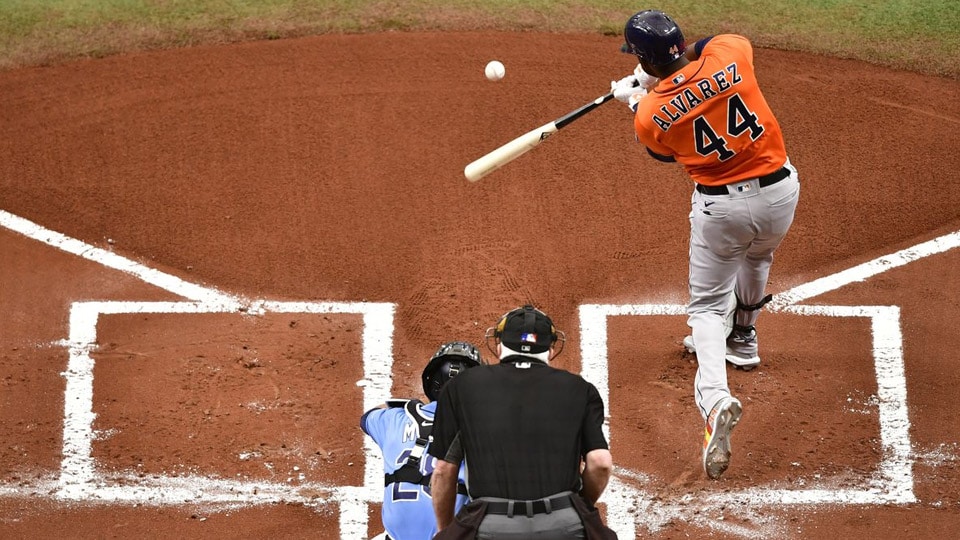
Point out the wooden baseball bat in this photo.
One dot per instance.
(512, 150)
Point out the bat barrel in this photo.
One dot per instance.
(508, 152)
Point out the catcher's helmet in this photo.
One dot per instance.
(654, 38)
(450, 359)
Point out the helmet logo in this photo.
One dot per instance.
(654, 37)
(528, 338)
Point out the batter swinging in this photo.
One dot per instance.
(702, 107)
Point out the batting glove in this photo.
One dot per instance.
(628, 90)
(644, 79)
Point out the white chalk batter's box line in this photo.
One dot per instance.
(80, 479)
(893, 482)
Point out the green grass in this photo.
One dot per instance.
(917, 35)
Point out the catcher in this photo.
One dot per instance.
(402, 429)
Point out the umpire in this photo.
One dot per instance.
(531, 437)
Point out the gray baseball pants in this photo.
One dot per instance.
(732, 240)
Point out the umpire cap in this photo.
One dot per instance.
(526, 330)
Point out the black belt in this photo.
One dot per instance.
(767, 180)
(529, 508)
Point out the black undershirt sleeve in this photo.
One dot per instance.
(701, 44)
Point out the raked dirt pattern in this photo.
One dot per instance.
(215, 258)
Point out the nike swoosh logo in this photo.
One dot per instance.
(708, 203)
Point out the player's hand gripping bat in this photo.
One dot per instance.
(526, 142)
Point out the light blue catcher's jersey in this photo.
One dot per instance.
(407, 508)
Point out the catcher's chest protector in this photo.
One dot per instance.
(410, 471)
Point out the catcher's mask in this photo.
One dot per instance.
(654, 38)
(526, 330)
(450, 360)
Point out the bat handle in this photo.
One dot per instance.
(573, 115)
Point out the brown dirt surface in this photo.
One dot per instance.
(329, 169)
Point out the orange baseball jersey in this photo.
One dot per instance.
(712, 118)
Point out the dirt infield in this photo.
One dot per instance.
(214, 259)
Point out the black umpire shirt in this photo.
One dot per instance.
(522, 425)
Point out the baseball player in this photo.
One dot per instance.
(402, 429)
(701, 106)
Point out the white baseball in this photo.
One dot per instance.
(494, 70)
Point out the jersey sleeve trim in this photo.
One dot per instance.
(661, 157)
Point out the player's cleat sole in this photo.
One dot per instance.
(716, 436)
(739, 362)
(746, 364)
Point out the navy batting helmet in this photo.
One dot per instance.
(450, 360)
(654, 37)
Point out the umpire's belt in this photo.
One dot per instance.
(767, 180)
(529, 508)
